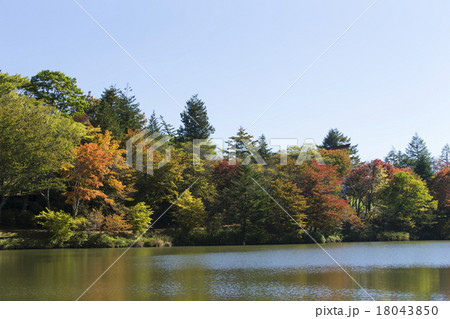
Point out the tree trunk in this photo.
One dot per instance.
(46, 195)
(75, 207)
(25, 203)
(2, 203)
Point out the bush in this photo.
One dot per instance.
(100, 241)
(58, 224)
(334, 239)
(78, 240)
(393, 236)
(139, 218)
(81, 223)
(157, 241)
(316, 235)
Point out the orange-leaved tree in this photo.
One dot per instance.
(321, 186)
(95, 166)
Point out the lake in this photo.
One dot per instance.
(387, 270)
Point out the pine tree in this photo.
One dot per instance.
(264, 149)
(238, 146)
(334, 139)
(419, 158)
(195, 122)
(153, 126)
(397, 158)
(444, 159)
(248, 203)
(166, 128)
(117, 112)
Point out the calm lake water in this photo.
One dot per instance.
(388, 271)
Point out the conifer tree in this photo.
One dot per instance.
(334, 139)
(195, 122)
(419, 158)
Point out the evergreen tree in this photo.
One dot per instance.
(153, 126)
(238, 146)
(129, 114)
(334, 139)
(117, 112)
(444, 159)
(166, 128)
(264, 149)
(195, 122)
(397, 158)
(249, 204)
(419, 158)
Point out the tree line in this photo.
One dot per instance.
(63, 168)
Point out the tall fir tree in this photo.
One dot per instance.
(153, 125)
(335, 138)
(117, 112)
(397, 158)
(238, 146)
(195, 122)
(249, 204)
(444, 159)
(419, 158)
(264, 149)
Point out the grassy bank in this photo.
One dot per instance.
(40, 239)
(36, 239)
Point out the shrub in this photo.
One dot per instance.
(58, 224)
(393, 236)
(115, 223)
(139, 218)
(316, 235)
(81, 223)
(100, 241)
(334, 239)
(156, 241)
(78, 240)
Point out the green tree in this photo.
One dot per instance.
(57, 89)
(440, 189)
(117, 112)
(167, 128)
(444, 159)
(406, 204)
(397, 159)
(419, 158)
(280, 225)
(34, 141)
(58, 224)
(239, 146)
(249, 204)
(195, 122)
(263, 148)
(190, 212)
(139, 217)
(335, 139)
(10, 83)
(154, 125)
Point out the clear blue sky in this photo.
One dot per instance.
(386, 79)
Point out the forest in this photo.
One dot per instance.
(65, 182)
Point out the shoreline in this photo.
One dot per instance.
(39, 239)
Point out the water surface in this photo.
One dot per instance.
(387, 271)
